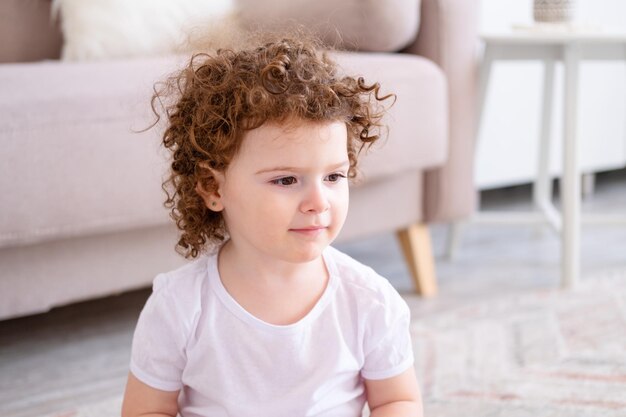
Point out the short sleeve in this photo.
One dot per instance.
(158, 349)
(387, 346)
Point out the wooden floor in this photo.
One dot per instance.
(79, 354)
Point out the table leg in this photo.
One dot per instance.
(483, 86)
(542, 187)
(570, 187)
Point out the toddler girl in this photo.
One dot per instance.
(268, 320)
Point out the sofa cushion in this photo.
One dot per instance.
(416, 137)
(73, 165)
(365, 25)
(27, 32)
(71, 162)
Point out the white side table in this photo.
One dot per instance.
(548, 46)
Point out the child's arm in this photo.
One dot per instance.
(395, 397)
(143, 400)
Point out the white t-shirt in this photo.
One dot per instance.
(193, 336)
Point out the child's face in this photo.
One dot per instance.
(285, 194)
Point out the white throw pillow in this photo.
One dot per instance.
(111, 29)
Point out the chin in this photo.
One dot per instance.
(302, 250)
(307, 255)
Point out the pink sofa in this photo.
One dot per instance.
(81, 211)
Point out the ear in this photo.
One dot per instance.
(212, 195)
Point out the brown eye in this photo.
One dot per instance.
(335, 177)
(284, 181)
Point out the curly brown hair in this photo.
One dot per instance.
(217, 97)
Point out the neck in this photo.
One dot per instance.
(274, 291)
(258, 271)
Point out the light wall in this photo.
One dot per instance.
(508, 142)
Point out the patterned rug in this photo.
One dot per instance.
(553, 353)
(540, 354)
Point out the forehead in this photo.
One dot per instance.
(295, 139)
(296, 130)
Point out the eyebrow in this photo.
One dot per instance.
(333, 167)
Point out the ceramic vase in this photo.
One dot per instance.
(554, 11)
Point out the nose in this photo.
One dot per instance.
(315, 199)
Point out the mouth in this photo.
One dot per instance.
(310, 230)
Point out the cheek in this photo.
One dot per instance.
(341, 199)
(272, 208)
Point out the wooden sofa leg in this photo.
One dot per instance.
(415, 242)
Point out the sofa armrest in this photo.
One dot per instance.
(448, 35)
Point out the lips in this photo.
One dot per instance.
(309, 230)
